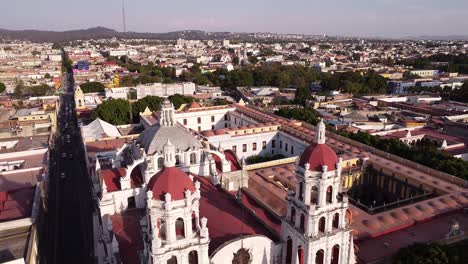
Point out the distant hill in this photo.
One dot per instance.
(449, 37)
(106, 33)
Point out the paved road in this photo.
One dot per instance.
(66, 224)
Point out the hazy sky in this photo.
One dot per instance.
(392, 18)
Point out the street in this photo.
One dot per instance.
(66, 223)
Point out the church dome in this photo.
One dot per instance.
(318, 155)
(170, 180)
(153, 138)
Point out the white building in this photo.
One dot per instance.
(117, 93)
(164, 89)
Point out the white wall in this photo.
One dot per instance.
(228, 141)
(206, 122)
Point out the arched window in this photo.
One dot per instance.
(194, 222)
(177, 160)
(162, 229)
(349, 217)
(314, 195)
(336, 220)
(242, 256)
(180, 228)
(335, 256)
(289, 251)
(329, 194)
(300, 254)
(302, 224)
(193, 257)
(160, 162)
(319, 257)
(321, 226)
(293, 215)
(301, 191)
(193, 158)
(172, 260)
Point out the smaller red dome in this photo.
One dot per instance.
(170, 180)
(318, 155)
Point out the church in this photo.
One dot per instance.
(171, 195)
(176, 188)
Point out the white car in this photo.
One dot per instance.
(62, 175)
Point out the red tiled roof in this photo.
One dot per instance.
(127, 230)
(16, 204)
(231, 157)
(225, 217)
(263, 214)
(112, 178)
(385, 246)
(318, 155)
(170, 180)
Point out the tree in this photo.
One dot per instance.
(41, 90)
(92, 87)
(35, 52)
(126, 81)
(2, 87)
(235, 60)
(56, 46)
(282, 80)
(420, 253)
(356, 57)
(152, 102)
(179, 100)
(460, 94)
(221, 101)
(302, 95)
(308, 115)
(253, 59)
(47, 76)
(19, 89)
(114, 111)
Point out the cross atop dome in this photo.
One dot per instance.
(320, 136)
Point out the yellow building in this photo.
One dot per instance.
(38, 117)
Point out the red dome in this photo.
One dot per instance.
(170, 180)
(318, 155)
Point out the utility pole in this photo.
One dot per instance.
(126, 57)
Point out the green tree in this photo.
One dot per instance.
(308, 115)
(253, 59)
(282, 79)
(115, 111)
(19, 89)
(41, 90)
(179, 100)
(220, 101)
(47, 76)
(460, 94)
(56, 46)
(302, 95)
(92, 87)
(2, 87)
(35, 52)
(152, 102)
(420, 253)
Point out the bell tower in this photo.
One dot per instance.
(167, 114)
(178, 235)
(315, 229)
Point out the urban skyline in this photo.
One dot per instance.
(382, 18)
